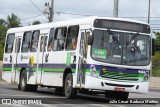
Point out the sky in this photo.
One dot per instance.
(132, 9)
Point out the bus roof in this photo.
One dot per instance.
(80, 21)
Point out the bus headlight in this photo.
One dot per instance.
(146, 76)
(93, 71)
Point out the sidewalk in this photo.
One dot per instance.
(154, 82)
(3, 82)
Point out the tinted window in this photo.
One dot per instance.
(50, 40)
(72, 36)
(59, 38)
(9, 43)
(34, 42)
(26, 42)
(43, 43)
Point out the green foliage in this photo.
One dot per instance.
(157, 41)
(156, 64)
(3, 30)
(156, 57)
(13, 21)
(3, 22)
(36, 23)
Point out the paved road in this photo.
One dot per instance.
(11, 91)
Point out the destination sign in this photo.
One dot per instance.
(122, 25)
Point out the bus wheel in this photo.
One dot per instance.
(23, 81)
(69, 91)
(117, 95)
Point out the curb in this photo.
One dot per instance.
(3, 82)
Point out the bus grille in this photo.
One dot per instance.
(116, 76)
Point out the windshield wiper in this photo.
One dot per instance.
(133, 38)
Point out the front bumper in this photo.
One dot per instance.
(103, 84)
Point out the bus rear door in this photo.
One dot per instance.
(15, 58)
(8, 58)
(41, 57)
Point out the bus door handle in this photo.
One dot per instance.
(10, 59)
(74, 59)
(46, 57)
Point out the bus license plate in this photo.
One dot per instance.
(119, 89)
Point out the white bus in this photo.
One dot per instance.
(94, 53)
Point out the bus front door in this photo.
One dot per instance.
(82, 59)
(40, 57)
(15, 58)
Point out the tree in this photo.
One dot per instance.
(3, 30)
(13, 21)
(157, 41)
(3, 22)
(36, 23)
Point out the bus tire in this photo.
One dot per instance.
(69, 91)
(117, 95)
(23, 81)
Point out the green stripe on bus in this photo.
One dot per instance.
(88, 70)
(124, 74)
(51, 69)
(7, 69)
(55, 70)
(39, 69)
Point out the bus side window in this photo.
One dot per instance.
(59, 39)
(9, 43)
(17, 46)
(50, 40)
(43, 43)
(72, 37)
(34, 42)
(26, 42)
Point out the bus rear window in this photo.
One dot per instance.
(9, 43)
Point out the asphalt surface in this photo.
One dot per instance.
(53, 99)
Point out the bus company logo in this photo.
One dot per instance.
(6, 59)
(24, 57)
(104, 70)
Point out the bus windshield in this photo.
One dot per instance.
(121, 48)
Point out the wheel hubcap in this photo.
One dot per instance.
(23, 82)
(68, 86)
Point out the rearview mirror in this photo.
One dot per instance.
(153, 47)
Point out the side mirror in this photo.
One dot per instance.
(90, 39)
(153, 47)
